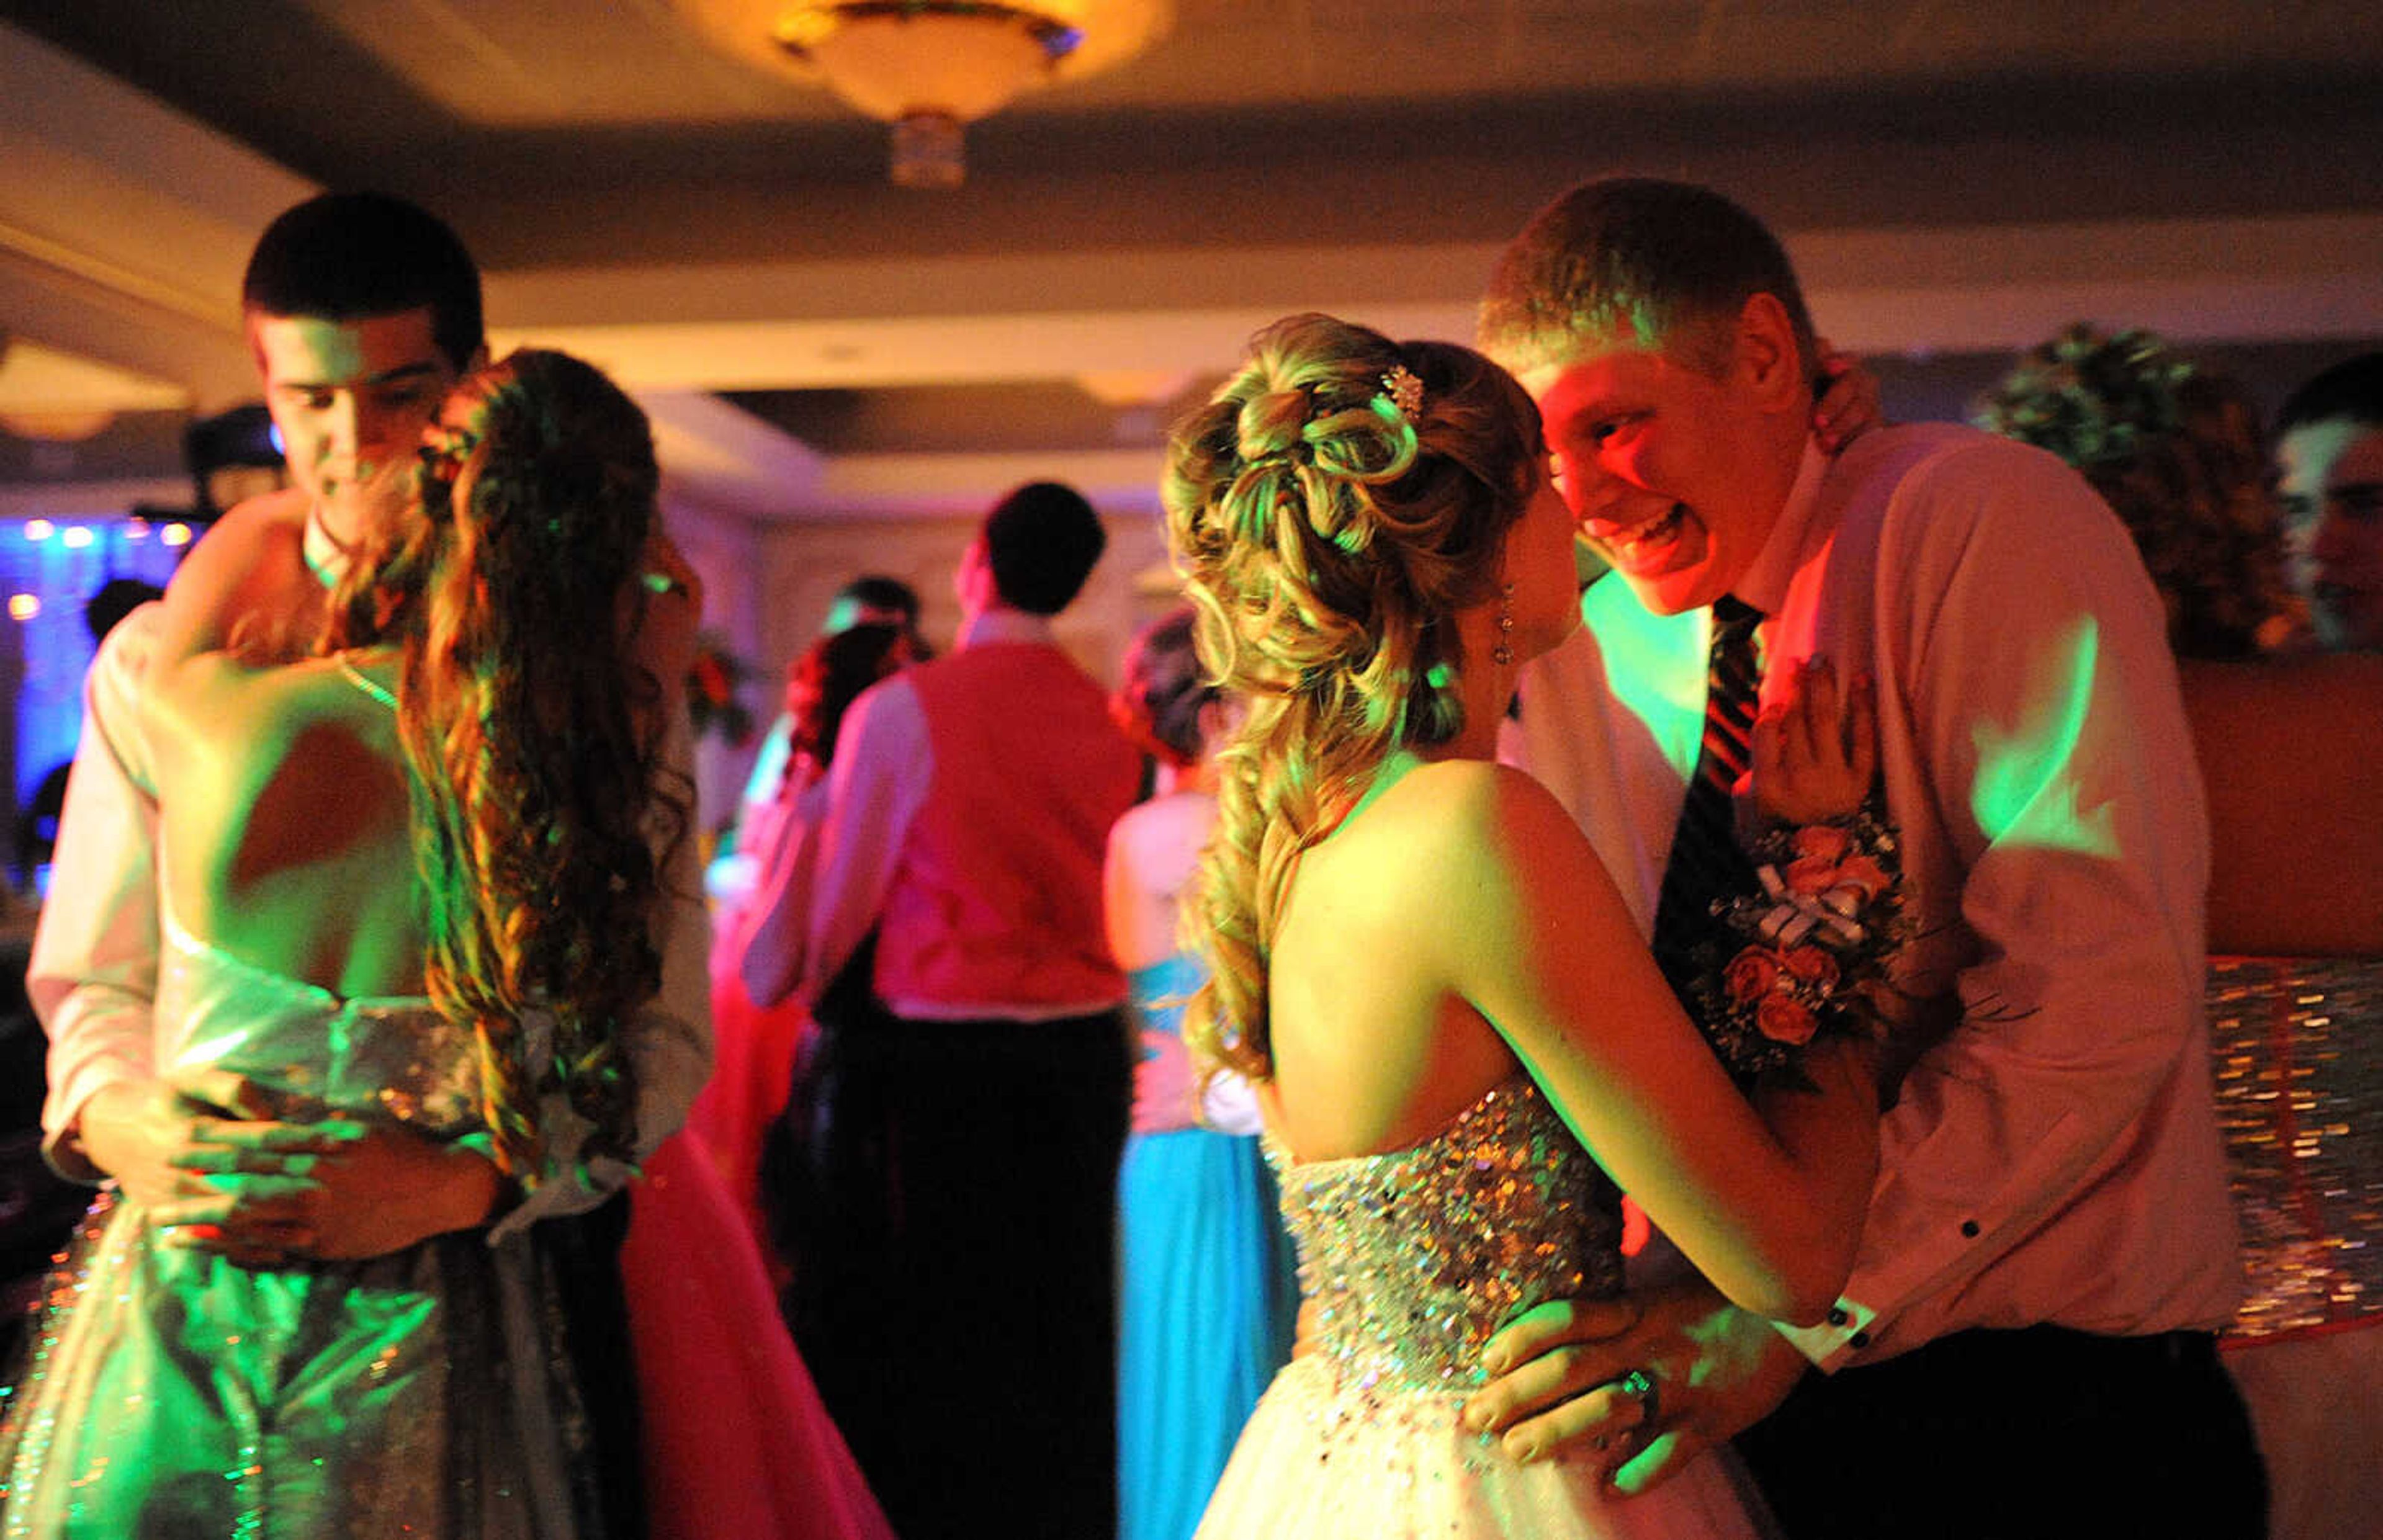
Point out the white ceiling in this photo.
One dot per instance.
(1951, 176)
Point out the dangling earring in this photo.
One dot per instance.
(1503, 653)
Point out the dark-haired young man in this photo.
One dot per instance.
(966, 1125)
(2329, 472)
(361, 311)
(2025, 1346)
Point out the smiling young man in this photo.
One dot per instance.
(2025, 1343)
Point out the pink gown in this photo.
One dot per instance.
(738, 1445)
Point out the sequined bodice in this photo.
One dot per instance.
(2297, 1044)
(1412, 1260)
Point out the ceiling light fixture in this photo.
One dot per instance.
(930, 67)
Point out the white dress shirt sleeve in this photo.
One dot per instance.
(2021, 648)
(825, 880)
(93, 974)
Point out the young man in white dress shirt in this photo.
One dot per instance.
(361, 311)
(2025, 1343)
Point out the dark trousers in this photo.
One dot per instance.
(2033, 1435)
(946, 1193)
(583, 1255)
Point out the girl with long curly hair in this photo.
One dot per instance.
(1460, 1043)
(411, 896)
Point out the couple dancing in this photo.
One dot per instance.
(1955, 1277)
(372, 966)
(411, 894)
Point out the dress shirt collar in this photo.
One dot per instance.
(1004, 626)
(1800, 528)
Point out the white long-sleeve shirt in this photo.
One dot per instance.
(2056, 1157)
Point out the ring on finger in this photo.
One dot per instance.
(1640, 1386)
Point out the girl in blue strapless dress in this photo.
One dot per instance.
(1207, 1292)
(1207, 1297)
(1460, 1043)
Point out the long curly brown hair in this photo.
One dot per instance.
(1328, 542)
(540, 819)
(2177, 452)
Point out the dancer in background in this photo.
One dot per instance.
(974, 1103)
(2329, 472)
(1208, 1294)
(2177, 452)
(754, 1048)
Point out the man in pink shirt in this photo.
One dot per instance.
(963, 1112)
(2025, 1343)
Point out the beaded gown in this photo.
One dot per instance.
(169, 1393)
(2297, 1047)
(1411, 1260)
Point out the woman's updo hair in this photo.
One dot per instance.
(1157, 705)
(1333, 508)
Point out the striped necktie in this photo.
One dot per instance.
(1706, 862)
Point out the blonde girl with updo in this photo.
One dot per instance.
(1407, 939)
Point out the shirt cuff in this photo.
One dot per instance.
(1837, 1341)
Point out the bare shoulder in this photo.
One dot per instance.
(1479, 811)
(1453, 848)
(244, 564)
(668, 612)
(1499, 865)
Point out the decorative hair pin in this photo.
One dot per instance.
(1405, 390)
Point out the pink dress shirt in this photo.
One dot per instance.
(2053, 1157)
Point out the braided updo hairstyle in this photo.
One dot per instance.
(1328, 542)
(513, 595)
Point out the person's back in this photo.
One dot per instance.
(966, 1117)
(2296, 1001)
(285, 817)
(997, 896)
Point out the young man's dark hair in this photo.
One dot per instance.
(873, 591)
(343, 256)
(2350, 391)
(1042, 541)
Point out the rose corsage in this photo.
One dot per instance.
(1808, 954)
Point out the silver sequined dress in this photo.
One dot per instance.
(169, 1393)
(1411, 1260)
(2298, 1054)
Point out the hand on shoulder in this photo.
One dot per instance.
(249, 571)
